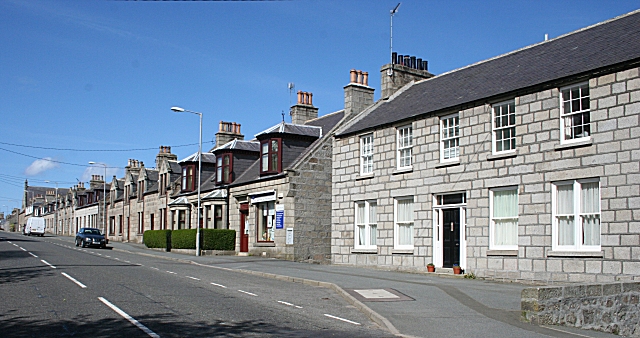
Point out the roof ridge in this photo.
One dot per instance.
(533, 45)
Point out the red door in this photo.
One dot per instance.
(244, 230)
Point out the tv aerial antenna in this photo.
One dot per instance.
(392, 13)
(291, 86)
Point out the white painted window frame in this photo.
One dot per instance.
(495, 129)
(563, 114)
(455, 138)
(366, 154)
(577, 216)
(396, 224)
(404, 145)
(369, 225)
(492, 245)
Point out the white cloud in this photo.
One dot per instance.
(40, 166)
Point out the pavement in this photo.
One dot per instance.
(406, 304)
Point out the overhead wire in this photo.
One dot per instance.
(95, 150)
(54, 161)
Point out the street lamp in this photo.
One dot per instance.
(55, 217)
(182, 110)
(104, 198)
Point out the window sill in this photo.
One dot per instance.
(582, 254)
(364, 251)
(398, 171)
(571, 145)
(364, 177)
(502, 156)
(264, 244)
(402, 251)
(447, 164)
(502, 252)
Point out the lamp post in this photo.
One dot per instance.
(182, 110)
(104, 198)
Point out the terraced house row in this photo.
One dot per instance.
(525, 166)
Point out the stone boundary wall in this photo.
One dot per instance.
(611, 308)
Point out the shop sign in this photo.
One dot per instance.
(279, 216)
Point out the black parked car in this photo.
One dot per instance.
(89, 237)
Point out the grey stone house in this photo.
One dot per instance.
(279, 184)
(524, 166)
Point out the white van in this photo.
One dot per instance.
(35, 226)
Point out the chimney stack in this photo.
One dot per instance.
(164, 154)
(304, 110)
(357, 94)
(227, 131)
(402, 70)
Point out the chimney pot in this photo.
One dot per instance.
(359, 81)
(413, 62)
(352, 76)
(365, 78)
(300, 97)
(311, 99)
(394, 57)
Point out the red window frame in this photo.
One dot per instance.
(188, 177)
(224, 168)
(273, 157)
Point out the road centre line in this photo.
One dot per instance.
(23, 249)
(249, 293)
(171, 272)
(193, 278)
(45, 262)
(33, 255)
(289, 304)
(74, 280)
(220, 285)
(342, 319)
(129, 318)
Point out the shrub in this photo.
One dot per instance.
(157, 239)
(183, 239)
(218, 239)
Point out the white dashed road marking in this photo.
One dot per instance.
(129, 318)
(248, 293)
(45, 262)
(289, 304)
(193, 278)
(342, 319)
(74, 280)
(33, 255)
(220, 285)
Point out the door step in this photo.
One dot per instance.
(244, 254)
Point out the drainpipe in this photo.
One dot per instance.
(227, 200)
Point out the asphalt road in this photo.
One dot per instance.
(50, 288)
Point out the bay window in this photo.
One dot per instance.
(188, 177)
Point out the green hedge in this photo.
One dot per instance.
(157, 239)
(212, 239)
(218, 239)
(183, 239)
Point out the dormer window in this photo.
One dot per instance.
(271, 156)
(188, 177)
(140, 190)
(224, 165)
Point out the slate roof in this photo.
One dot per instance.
(206, 158)
(582, 52)
(321, 124)
(294, 129)
(241, 145)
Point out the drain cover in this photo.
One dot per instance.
(378, 295)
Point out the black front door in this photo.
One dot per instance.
(451, 236)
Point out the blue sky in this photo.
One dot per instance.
(102, 75)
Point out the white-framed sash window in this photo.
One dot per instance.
(576, 215)
(366, 154)
(449, 138)
(405, 146)
(504, 127)
(503, 208)
(366, 225)
(403, 223)
(575, 119)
